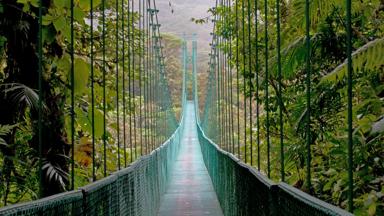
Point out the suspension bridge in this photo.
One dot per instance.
(164, 156)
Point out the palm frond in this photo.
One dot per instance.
(19, 93)
(54, 173)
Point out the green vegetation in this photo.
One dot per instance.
(328, 94)
(19, 166)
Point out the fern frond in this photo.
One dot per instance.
(368, 57)
(319, 9)
(293, 56)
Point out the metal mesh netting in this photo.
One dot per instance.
(291, 201)
(101, 198)
(243, 191)
(69, 203)
(135, 190)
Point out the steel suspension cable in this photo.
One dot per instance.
(350, 105)
(150, 70)
(231, 83)
(244, 78)
(226, 63)
(257, 83)
(250, 81)
(308, 85)
(124, 80)
(117, 85)
(279, 93)
(237, 77)
(40, 102)
(72, 50)
(144, 77)
(104, 93)
(266, 87)
(221, 82)
(133, 78)
(140, 123)
(130, 38)
(147, 144)
(224, 69)
(225, 78)
(93, 95)
(151, 79)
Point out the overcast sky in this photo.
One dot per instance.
(179, 21)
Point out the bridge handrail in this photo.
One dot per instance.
(242, 190)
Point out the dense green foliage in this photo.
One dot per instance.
(328, 94)
(145, 119)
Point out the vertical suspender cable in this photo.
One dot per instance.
(226, 59)
(72, 99)
(133, 77)
(144, 76)
(244, 78)
(257, 83)
(124, 80)
(146, 71)
(93, 97)
(104, 93)
(237, 77)
(150, 133)
(266, 87)
(144, 32)
(279, 94)
(140, 78)
(308, 84)
(40, 103)
(129, 14)
(231, 83)
(250, 81)
(151, 84)
(350, 95)
(220, 81)
(117, 85)
(225, 79)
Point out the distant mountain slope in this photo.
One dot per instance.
(179, 22)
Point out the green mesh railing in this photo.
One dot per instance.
(70, 203)
(135, 190)
(242, 190)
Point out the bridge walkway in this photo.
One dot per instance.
(190, 191)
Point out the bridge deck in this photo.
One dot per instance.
(190, 191)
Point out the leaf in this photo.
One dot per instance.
(35, 3)
(21, 94)
(78, 14)
(6, 129)
(99, 121)
(64, 63)
(60, 24)
(368, 57)
(61, 4)
(47, 19)
(49, 34)
(81, 73)
(55, 173)
(372, 209)
(2, 142)
(85, 5)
